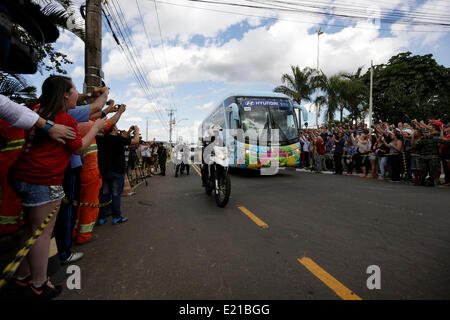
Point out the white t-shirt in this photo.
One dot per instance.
(19, 116)
(306, 144)
(363, 147)
(145, 151)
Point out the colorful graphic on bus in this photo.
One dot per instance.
(259, 117)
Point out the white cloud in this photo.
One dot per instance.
(77, 72)
(258, 57)
(423, 35)
(206, 106)
(72, 46)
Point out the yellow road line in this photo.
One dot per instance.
(255, 219)
(196, 169)
(341, 290)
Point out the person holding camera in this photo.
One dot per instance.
(382, 150)
(339, 143)
(68, 211)
(162, 158)
(114, 145)
(363, 145)
(91, 179)
(395, 151)
(37, 177)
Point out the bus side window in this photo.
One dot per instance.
(290, 121)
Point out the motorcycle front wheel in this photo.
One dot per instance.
(223, 189)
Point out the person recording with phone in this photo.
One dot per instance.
(90, 177)
(114, 145)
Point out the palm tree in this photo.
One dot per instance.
(16, 88)
(344, 91)
(298, 85)
(333, 88)
(61, 13)
(355, 95)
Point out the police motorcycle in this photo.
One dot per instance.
(215, 176)
(181, 157)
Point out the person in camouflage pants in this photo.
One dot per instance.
(428, 148)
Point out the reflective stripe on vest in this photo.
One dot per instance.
(86, 228)
(11, 220)
(13, 145)
(91, 149)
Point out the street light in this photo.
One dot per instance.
(177, 123)
(319, 32)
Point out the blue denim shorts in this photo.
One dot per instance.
(415, 163)
(33, 195)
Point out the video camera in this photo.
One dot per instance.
(15, 55)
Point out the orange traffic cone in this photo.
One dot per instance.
(127, 191)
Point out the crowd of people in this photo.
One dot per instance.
(64, 152)
(418, 151)
(145, 159)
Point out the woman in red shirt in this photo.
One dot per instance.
(37, 177)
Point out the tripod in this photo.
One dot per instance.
(136, 172)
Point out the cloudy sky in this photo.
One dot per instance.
(190, 54)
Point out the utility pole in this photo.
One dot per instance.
(93, 46)
(319, 32)
(171, 123)
(370, 97)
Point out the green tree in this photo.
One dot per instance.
(355, 95)
(297, 85)
(16, 88)
(62, 14)
(334, 89)
(410, 87)
(300, 85)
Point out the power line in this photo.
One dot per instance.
(320, 11)
(135, 58)
(296, 21)
(130, 56)
(148, 39)
(151, 49)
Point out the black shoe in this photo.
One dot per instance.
(15, 289)
(44, 292)
(176, 176)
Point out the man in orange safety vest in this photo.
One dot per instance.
(91, 180)
(11, 214)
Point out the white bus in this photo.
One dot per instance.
(251, 112)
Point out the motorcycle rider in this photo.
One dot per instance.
(181, 160)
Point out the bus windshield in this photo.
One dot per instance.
(268, 113)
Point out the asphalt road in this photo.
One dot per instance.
(322, 233)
